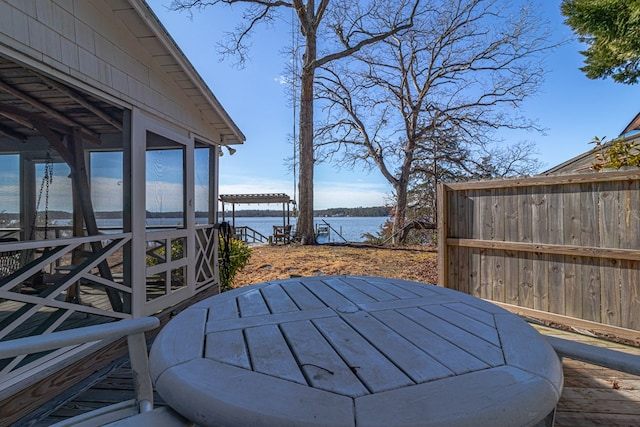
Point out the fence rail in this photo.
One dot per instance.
(567, 244)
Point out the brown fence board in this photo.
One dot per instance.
(497, 257)
(484, 209)
(591, 294)
(611, 294)
(462, 222)
(569, 245)
(630, 295)
(540, 233)
(555, 261)
(511, 270)
(590, 268)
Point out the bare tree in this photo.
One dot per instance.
(433, 91)
(331, 31)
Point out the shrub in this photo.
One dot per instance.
(618, 153)
(233, 255)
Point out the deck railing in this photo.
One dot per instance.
(65, 283)
(249, 235)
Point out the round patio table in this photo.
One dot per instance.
(354, 351)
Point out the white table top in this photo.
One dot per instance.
(347, 351)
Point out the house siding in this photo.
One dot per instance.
(97, 46)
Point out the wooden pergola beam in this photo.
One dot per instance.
(82, 101)
(12, 134)
(29, 120)
(16, 118)
(56, 142)
(255, 198)
(44, 108)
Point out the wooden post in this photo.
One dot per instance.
(233, 214)
(80, 178)
(27, 197)
(73, 293)
(443, 256)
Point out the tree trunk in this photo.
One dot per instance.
(401, 213)
(402, 191)
(304, 229)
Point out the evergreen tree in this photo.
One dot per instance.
(611, 30)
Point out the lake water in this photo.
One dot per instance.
(351, 228)
(341, 229)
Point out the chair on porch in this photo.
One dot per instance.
(12, 261)
(9, 260)
(282, 234)
(134, 412)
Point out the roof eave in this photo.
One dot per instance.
(149, 17)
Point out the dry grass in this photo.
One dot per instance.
(282, 262)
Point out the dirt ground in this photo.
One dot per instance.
(410, 263)
(282, 262)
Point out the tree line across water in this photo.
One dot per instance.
(376, 211)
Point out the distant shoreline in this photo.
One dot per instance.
(378, 211)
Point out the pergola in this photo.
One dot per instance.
(257, 199)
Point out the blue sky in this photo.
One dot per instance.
(572, 108)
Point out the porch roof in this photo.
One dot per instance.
(153, 35)
(31, 99)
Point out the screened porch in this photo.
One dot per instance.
(106, 213)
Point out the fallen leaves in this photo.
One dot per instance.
(282, 262)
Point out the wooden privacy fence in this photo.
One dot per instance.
(566, 244)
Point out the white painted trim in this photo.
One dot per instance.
(215, 193)
(142, 123)
(205, 140)
(43, 367)
(190, 214)
(158, 304)
(89, 339)
(165, 39)
(166, 266)
(138, 207)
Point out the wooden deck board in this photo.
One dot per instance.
(116, 387)
(592, 396)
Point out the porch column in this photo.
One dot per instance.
(137, 198)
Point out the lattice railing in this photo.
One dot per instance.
(60, 284)
(206, 256)
(52, 285)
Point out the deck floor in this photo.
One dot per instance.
(592, 396)
(596, 396)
